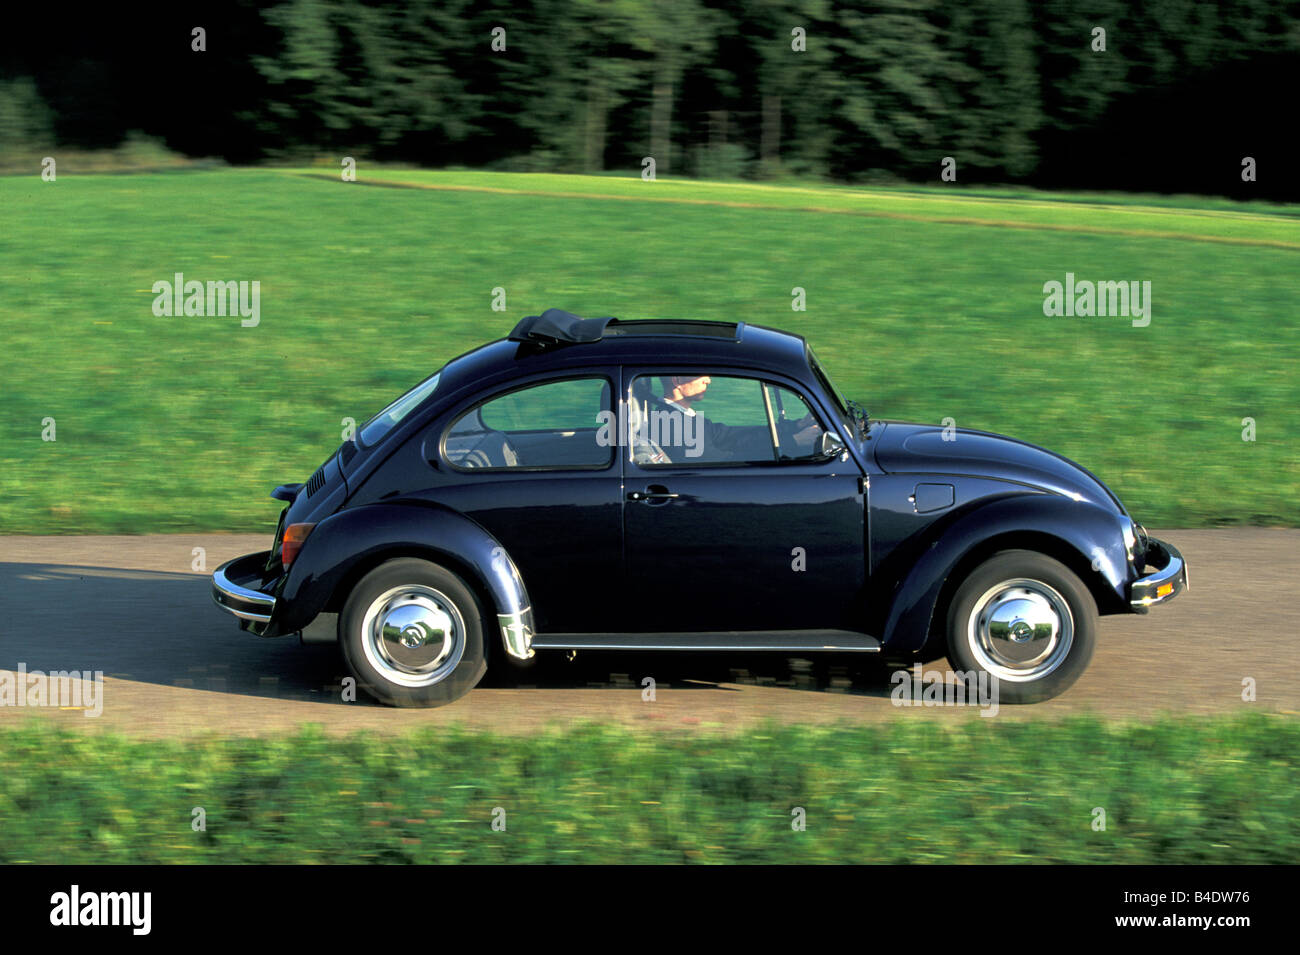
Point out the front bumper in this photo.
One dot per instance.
(236, 589)
(1167, 582)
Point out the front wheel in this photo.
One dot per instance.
(1027, 621)
(412, 634)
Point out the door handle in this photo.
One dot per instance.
(654, 492)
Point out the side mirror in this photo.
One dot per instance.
(832, 446)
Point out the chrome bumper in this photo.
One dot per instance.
(234, 592)
(1168, 581)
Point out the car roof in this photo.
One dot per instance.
(651, 342)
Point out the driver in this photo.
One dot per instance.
(720, 442)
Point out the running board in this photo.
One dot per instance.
(806, 641)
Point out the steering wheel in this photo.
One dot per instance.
(786, 431)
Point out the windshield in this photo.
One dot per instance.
(378, 426)
(840, 404)
(826, 382)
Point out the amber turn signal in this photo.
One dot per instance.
(294, 535)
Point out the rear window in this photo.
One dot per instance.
(374, 430)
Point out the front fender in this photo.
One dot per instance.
(355, 539)
(1091, 535)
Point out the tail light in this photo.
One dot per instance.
(294, 536)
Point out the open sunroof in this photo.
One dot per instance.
(674, 327)
(555, 326)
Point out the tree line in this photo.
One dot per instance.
(1168, 95)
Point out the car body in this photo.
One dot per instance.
(565, 488)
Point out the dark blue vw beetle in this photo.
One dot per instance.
(675, 485)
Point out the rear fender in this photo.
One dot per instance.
(350, 542)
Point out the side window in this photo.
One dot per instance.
(717, 419)
(554, 425)
(798, 428)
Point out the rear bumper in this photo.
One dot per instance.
(1167, 582)
(236, 589)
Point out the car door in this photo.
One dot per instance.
(532, 465)
(729, 522)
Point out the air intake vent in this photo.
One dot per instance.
(316, 482)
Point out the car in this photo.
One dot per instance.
(674, 485)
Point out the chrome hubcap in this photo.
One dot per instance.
(1020, 630)
(413, 635)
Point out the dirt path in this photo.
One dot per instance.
(174, 664)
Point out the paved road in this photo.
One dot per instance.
(135, 608)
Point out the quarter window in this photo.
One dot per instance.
(555, 425)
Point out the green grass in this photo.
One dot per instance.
(923, 304)
(1174, 791)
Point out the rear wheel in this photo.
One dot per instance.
(1026, 620)
(412, 634)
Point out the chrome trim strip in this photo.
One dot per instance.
(1171, 569)
(809, 642)
(225, 587)
(517, 633)
(712, 648)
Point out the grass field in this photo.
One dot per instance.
(923, 304)
(1223, 791)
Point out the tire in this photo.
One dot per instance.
(434, 651)
(1026, 620)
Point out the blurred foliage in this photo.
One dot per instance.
(1014, 91)
(25, 119)
(136, 153)
(1185, 791)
